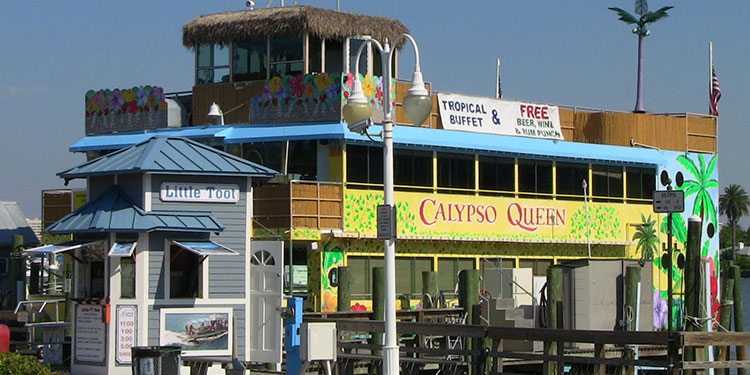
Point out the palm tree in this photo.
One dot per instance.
(645, 234)
(641, 8)
(734, 205)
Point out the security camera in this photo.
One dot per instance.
(360, 127)
(250, 4)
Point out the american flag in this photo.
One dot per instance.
(715, 94)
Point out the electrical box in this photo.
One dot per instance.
(318, 341)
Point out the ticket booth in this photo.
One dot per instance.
(162, 256)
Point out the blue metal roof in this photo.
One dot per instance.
(449, 139)
(113, 211)
(117, 141)
(13, 222)
(167, 155)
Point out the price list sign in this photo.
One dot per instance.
(127, 331)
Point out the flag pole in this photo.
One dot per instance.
(710, 74)
(498, 88)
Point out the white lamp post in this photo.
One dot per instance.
(357, 111)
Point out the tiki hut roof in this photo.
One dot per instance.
(222, 28)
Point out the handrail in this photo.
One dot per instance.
(534, 302)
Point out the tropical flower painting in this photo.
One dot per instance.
(137, 108)
(696, 175)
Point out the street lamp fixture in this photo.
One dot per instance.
(357, 112)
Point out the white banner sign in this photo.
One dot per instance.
(90, 334)
(495, 116)
(192, 192)
(127, 331)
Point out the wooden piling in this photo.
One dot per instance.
(17, 268)
(692, 283)
(345, 289)
(430, 289)
(554, 295)
(468, 297)
(739, 325)
(726, 309)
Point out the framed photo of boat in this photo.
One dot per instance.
(199, 331)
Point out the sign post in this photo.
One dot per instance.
(669, 201)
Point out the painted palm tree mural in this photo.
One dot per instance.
(646, 17)
(648, 240)
(696, 175)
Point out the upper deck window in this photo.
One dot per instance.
(641, 183)
(607, 182)
(570, 178)
(455, 171)
(334, 56)
(212, 64)
(535, 176)
(250, 60)
(496, 174)
(287, 55)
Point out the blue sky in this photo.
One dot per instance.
(565, 53)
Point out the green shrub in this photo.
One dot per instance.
(18, 364)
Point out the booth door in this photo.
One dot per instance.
(266, 283)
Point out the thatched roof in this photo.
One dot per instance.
(223, 28)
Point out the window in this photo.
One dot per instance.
(250, 60)
(448, 269)
(497, 174)
(412, 168)
(534, 176)
(455, 171)
(303, 160)
(3, 266)
(641, 183)
(364, 164)
(354, 45)
(286, 55)
(185, 274)
(607, 182)
(569, 179)
(409, 274)
(315, 54)
(267, 154)
(127, 277)
(334, 55)
(538, 266)
(361, 267)
(212, 64)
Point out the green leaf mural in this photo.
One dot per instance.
(703, 205)
(603, 223)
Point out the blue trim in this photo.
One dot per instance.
(409, 136)
(121, 140)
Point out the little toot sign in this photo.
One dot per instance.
(193, 192)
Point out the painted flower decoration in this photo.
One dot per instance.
(115, 100)
(266, 96)
(282, 92)
(128, 95)
(715, 305)
(660, 311)
(332, 91)
(157, 93)
(350, 80)
(98, 99)
(143, 93)
(322, 81)
(358, 307)
(298, 85)
(275, 84)
(132, 107)
(368, 86)
(309, 91)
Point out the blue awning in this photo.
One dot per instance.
(205, 248)
(116, 141)
(60, 248)
(291, 132)
(122, 250)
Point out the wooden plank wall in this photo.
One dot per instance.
(300, 204)
(234, 97)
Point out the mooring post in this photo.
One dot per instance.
(726, 308)
(345, 289)
(17, 270)
(554, 295)
(739, 325)
(691, 282)
(468, 297)
(378, 307)
(430, 289)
